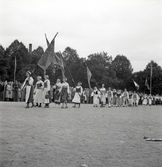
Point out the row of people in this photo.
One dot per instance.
(41, 93)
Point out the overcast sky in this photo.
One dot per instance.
(129, 27)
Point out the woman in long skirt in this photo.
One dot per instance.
(78, 95)
(56, 92)
(64, 93)
(110, 97)
(103, 96)
(96, 97)
(46, 91)
(28, 85)
(38, 92)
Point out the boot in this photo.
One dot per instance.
(36, 105)
(40, 105)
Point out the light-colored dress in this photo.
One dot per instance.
(46, 91)
(28, 84)
(103, 95)
(38, 92)
(96, 95)
(77, 95)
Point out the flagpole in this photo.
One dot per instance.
(54, 42)
(151, 79)
(15, 70)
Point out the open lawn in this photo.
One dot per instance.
(98, 137)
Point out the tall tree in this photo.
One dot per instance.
(123, 69)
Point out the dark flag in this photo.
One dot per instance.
(146, 84)
(89, 75)
(47, 58)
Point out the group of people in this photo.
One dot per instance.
(61, 93)
(40, 94)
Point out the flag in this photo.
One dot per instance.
(89, 74)
(57, 59)
(47, 58)
(135, 84)
(47, 41)
(146, 84)
(15, 69)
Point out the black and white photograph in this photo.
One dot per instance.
(80, 83)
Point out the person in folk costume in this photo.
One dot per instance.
(28, 85)
(46, 91)
(56, 92)
(64, 93)
(96, 97)
(118, 94)
(84, 96)
(125, 98)
(140, 98)
(135, 98)
(150, 98)
(103, 96)
(78, 94)
(109, 97)
(114, 98)
(144, 102)
(38, 91)
(130, 99)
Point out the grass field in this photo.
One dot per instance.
(98, 137)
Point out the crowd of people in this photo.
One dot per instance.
(61, 94)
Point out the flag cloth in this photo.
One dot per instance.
(15, 69)
(56, 59)
(89, 74)
(47, 58)
(47, 41)
(146, 84)
(135, 84)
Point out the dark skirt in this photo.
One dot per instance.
(64, 95)
(57, 97)
(30, 99)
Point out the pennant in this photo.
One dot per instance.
(146, 84)
(135, 84)
(89, 75)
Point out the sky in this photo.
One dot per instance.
(132, 28)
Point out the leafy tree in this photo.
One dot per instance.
(101, 68)
(123, 69)
(4, 64)
(74, 68)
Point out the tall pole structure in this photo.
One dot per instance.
(151, 78)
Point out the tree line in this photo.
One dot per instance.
(116, 73)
